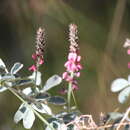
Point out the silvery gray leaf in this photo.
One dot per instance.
(28, 119)
(61, 114)
(43, 109)
(36, 76)
(20, 113)
(119, 84)
(7, 77)
(27, 91)
(9, 84)
(51, 82)
(123, 95)
(16, 67)
(115, 115)
(2, 65)
(2, 88)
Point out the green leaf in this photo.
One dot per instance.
(57, 100)
(16, 67)
(51, 82)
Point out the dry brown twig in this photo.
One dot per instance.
(124, 118)
(81, 124)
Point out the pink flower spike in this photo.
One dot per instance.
(33, 68)
(34, 56)
(128, 51)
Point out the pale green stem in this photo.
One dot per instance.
(35, 76)
(74, 99)
(69, 96)
(36, 113)
(70, 91)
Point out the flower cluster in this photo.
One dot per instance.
(127, 45)
(38, 55)
(73, 65)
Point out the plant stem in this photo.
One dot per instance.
(69, 95)
(74, 99)
(70, 91)
(36, 113)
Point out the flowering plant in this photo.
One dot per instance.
(35, 97)
(37, 100)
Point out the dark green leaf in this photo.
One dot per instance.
(23, 82)
(42, 96)
(69, 117)
(127, 127)
(57, 100)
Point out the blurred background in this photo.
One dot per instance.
(103, 26)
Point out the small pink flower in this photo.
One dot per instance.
(128, 51)
(78, 58)
(34, 56)
(72, 56)
(69, 79)
(33, 68)
(75, 87)
(41, 61)
(77, 74)
(79, 67)
(67, 64)
(127, 43)
(63, 91)
(129, 65)
(64, 75)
